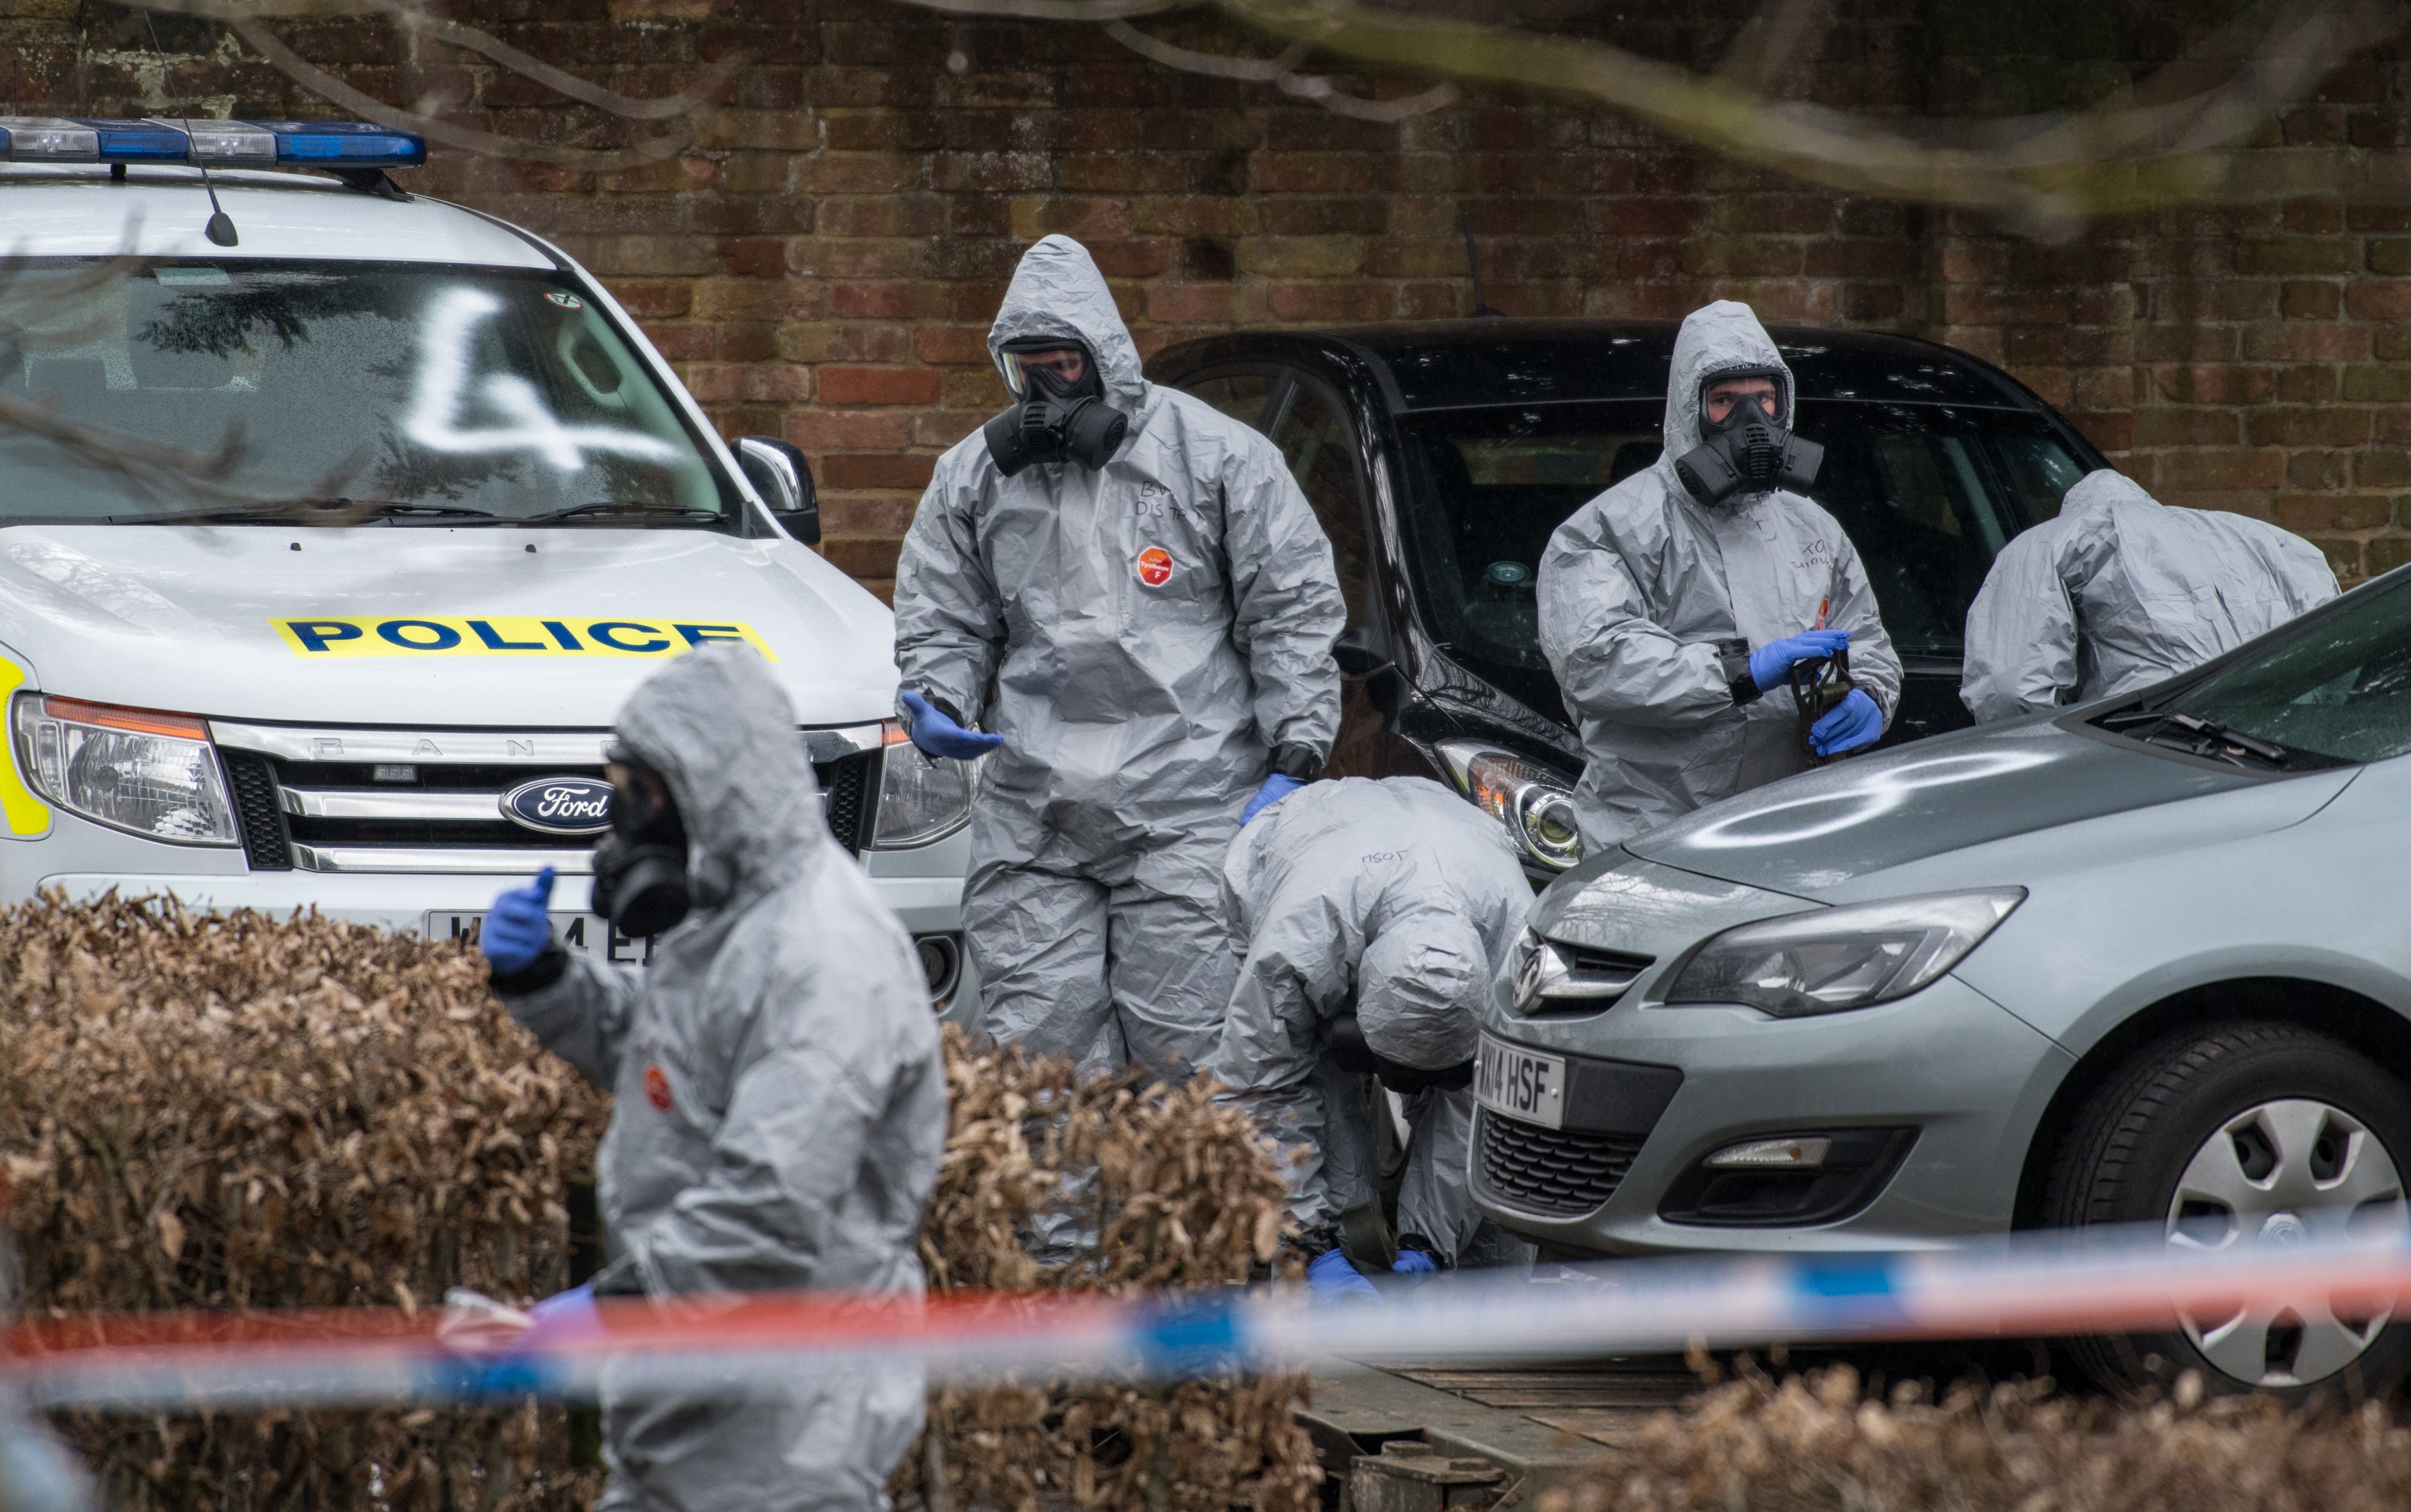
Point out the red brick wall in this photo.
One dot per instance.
(823, 262)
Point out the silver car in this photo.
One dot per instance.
(2145, 960)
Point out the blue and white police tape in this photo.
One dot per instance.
(2076, 1282)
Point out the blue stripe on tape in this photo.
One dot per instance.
(1189, 1338)
(509, 1375)
(1843, 1278)
(1845, 1292)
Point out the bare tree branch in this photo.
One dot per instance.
(1278, 71)
(1331, 97)
(2044, 174)
(247, 18)
(1056, 9)
(686, 102)
(326, 86)
(1254, 70)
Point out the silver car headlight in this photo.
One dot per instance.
(1533, 802)
(150, 773)
(921, 798)
(1827, 960)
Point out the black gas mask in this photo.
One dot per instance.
(1055, 417)
(640, 867)
(1750, 450)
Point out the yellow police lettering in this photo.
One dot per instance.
(333, 636)
(608, 631)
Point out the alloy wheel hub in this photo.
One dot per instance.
(2288, 1172)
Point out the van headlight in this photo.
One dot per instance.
(149, 773)
(921, 798)
(1827, 960)
(1535, 804)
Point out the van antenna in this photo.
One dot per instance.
(220, 228)
(1472, 266)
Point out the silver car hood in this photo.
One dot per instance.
(1812, 836)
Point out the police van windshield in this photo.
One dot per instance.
(1928, 494)
(134, 391)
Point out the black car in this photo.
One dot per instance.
(1441, 455)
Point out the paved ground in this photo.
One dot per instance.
(1540, 1425)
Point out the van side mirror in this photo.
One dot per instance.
(784, 480)
(1355, 652)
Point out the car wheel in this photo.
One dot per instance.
(2255, 1133)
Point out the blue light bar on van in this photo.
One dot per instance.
(344, 144)
(327, 144)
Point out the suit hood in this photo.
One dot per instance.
(719, 729)
(1057, 292)
(1723, 337)
(2102, 488)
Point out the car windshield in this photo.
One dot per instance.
(1928, 493)
(2338, 687)
(134, 391)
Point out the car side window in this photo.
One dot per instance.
(1239, 395)
(1315, 443)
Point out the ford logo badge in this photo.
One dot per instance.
(559, 805)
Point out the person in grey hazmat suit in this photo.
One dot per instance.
(1675, 605)
(1373, 916)
(2120, 591)
(779, 1106)
(1155, 604)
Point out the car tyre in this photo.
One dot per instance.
(2251, 1096)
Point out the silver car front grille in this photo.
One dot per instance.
(431, 801)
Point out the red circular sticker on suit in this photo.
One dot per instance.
(657, 1088)
(1155, 566)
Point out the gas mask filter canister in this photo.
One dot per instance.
(1054, 419)
(1747, 451)
(640, 867)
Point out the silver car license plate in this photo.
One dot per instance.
(1520, 1083)
(590, 933)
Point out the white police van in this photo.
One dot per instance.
(335, 524)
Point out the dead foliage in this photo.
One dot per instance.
(1147, 1187)
(1822, 1443)
(241, 1111)
(235, 1111)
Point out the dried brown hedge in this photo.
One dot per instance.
(228, 1111)
(236, 1110)
(1167, 1189)
(1821, 1444)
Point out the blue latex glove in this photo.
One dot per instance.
(1770, 666)
(563, 1316)
(1414, 1262)
(1276, 788)
(1332, 1279)
(941, 736)
(518, 927)
(1856, 721)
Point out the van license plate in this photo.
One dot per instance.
(1520, 1083)
(588, 933)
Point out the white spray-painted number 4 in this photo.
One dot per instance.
(443, 369)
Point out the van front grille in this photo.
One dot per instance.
(446, 815)
(255, 806)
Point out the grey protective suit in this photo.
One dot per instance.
(1639, 585)
(2120, 591)
(1155, 629)
(38, 1472)
(1398, 901)
(778, 1104)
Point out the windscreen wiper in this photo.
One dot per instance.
(2206, 738)
(612, 506)
(289, 511)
